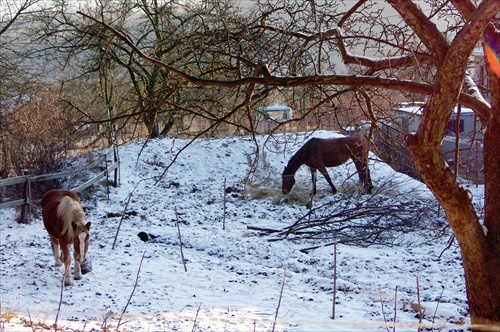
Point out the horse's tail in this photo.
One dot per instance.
(70, 211)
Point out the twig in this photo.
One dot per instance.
(382, 305)
(395, 308)
(306, 250)
(334, 278)
(224, 209)
(123, 214)
(60, 299)
(448, 245)
(437, 306)
(104, 325)
(264, 230)
(227, 318)
(180, 238)
(132, 293)
(196, 319)
(279, 301)
(420, 309)
(290, 229)
(31, 323)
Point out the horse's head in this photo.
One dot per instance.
(288, 181)
(81, 241)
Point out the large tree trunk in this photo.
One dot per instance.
(480, 252)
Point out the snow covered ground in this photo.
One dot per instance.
(236, 279)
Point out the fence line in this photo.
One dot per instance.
(27, 180)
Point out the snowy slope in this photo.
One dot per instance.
(234, 278)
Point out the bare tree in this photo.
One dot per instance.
(199, 39)
(19, 80)
(15, 16)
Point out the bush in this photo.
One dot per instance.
(37, 136)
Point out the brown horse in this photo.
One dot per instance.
(65, 222)
(319, 154)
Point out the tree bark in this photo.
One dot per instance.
(491, 215)
(492, 162)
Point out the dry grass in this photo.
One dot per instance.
(258, 192)
(6, 316)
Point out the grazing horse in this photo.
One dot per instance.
(65, 222)
(319, 154)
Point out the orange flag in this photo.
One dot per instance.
(492, 54)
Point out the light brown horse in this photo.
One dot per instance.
(65, 222)
(319, 154)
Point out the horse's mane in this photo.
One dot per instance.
(70, 211)
(292, 165)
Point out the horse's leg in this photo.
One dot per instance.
(56, 251)
(313, 191)
(67, 265)
(368, 180)
(327, 177)
(77, 269)
(313, 179)
(364, 176)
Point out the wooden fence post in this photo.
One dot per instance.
(25, 210)
(116, 158)
(113, 142)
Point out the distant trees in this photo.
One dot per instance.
(14, 75)
(199, 39)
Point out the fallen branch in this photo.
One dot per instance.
(378, 220)
(264, 230)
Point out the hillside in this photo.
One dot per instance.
(234, 278)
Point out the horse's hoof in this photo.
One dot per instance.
(68, 282)
(77, 277)
(86, 266)
(58, 264)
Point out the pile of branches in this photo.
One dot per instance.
(378, 220)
